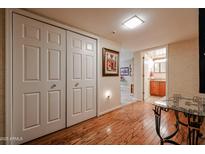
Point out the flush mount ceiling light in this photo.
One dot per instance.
(133, 22)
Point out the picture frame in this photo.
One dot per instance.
(110, 62)
(124, 71)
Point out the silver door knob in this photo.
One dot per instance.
(53, 86)
(76, 84)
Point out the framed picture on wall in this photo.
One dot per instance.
(124, 71)
(110, 62)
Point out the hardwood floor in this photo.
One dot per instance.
(132, 124)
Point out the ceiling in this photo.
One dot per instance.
(160, 27)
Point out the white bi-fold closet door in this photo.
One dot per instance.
(39, 84)
(81, 78)
(40, 65)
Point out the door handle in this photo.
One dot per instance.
(53, 86)
(76, 84)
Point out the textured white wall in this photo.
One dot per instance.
(183, 68)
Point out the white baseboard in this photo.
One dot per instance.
(109, 110)
(117, 107)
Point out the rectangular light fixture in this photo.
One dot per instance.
(133, 22)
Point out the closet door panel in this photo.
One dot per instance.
(81, 78)
(39, 54)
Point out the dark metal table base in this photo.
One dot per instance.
(193, 125)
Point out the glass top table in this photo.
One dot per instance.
(192, 108)
(184, 105)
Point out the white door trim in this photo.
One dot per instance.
(167, 72)
(8, 57)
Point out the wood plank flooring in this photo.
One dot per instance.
(132, 124)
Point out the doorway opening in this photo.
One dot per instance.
(127, 77)
(154, 74)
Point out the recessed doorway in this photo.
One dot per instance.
(127, 77)
(154, 74)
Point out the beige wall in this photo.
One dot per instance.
(107, 83)
(183, 68)
(2, 70)
(138, 87)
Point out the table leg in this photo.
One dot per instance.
(157, 111)
(194, 124)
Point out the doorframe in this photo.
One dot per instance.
(143, 79)
(167, 69)
(9, 58)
